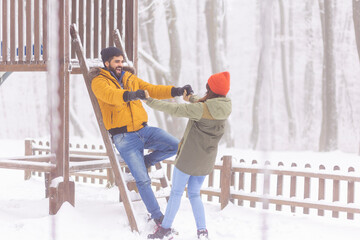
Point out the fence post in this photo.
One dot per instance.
(28, 152)
(225, 181)
(307, 189)
(293, 187)
(321, 195)
(241, 183)
(279, 186)
(336, 192)
(253, 184)
(351, 193)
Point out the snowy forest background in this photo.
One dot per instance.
(294, 69)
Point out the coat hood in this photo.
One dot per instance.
(94, 72)
(219, 108)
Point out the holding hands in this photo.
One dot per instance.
(179, 91)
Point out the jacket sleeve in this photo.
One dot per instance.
(156, 91)
(106, 92)
(193, 111)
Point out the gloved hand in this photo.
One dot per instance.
(131, 96)
(179, 91)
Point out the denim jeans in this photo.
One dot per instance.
(131, 148)
(179, 182)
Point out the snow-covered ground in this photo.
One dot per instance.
(99, 215)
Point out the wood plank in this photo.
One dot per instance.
(81, 22)
(88, 26)
(12, 32)
(74, 11)
(5, 31)
(25, 67)
(303, 203)
(350, 193)
(293, 187)
(45, 32)
(20, 31)
(96, 29)
(336, 192)
(299, 173)
(321, 193)
(103, 25)
(30, 158)
(119, 15)
(24, 165)
(37, 30)
(28, 50)
(253, 183)
(89, 165)
(129, 34)
(111, 21)
(306, 189)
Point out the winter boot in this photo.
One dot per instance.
(161, 233)
(203, 234)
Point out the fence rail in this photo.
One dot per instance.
(304, 190)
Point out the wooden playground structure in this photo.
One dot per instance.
(25, 46)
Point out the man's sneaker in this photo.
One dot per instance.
(203, 234)
(161, 233)
(159, 221)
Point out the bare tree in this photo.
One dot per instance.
(356, 19)
(216, 31)
(329, 126)
(164, 73)
(264, 67)
(309, 104)
(291, 119)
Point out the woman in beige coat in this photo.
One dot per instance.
(198, 148)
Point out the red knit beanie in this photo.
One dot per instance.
(219, 83)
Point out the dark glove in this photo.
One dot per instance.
(131, 96)
(179, 91)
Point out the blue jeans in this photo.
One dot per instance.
(131, 148)
(179, 182)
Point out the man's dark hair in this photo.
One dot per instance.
(108, 53)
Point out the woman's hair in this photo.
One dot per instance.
(209, 94)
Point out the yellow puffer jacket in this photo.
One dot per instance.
(115, 111)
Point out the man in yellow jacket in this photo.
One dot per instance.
(118, 93)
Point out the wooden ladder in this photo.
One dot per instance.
(114, 161)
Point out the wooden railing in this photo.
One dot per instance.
(292, 188)
(307, 190)
(24, 30)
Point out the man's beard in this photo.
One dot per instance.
(115, 72)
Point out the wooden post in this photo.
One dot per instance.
(321, 195)
(266, 188)
(351, 193)
(293, 187)
(62, 189)
(241, 183)
(336, 192)
(279, 187)
(306, 189)
(253, 184)
(225, 180)
(210, 184)
(28, 152)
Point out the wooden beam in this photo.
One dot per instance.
(25, 67)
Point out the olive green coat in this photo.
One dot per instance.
(198, 147)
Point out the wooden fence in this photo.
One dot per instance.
(293, 188)
(302, 190)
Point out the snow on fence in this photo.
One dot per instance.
(307, 189)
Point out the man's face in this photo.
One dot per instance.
(115, 65)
